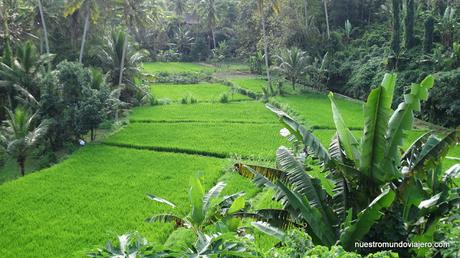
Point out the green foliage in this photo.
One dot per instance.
(188, 99)
(367, 176)
(224, 98)
(292, 64)
(20, 134)
(443, 98)
(256, 63)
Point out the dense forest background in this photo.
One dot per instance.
(353, 42)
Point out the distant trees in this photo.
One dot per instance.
(20, 134)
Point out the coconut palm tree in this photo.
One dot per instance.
(262, 5)
(326, 16)
(20, 135)
(45, 31)
(292, 64)
(87, 7)
(210, 12)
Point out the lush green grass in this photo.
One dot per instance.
(97, 193)
(249, 83)
(236, 111)
(258, 140)
(315, 109)
(203, 92)
(175, 67)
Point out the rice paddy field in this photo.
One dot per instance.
(100, 191)
(202, 92)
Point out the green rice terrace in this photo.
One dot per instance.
(99, 191)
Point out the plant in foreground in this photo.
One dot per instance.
(360, 180)
(20, 135)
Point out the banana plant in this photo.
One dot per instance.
(207, 208)
(368, 176)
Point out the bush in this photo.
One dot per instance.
(224, 98)
(188, 99)
(443, 105)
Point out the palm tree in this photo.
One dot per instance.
(292, 63)
(20, 135)
(261, 6)
(180, 6)
(120, 58)
(21, 74)
(326, 16)
(88, 7)
(45, 31)
(211, 18)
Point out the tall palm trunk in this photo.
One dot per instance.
(45, 31)
(120, 78)
(213, 37)
(327, 19)
(22, 166)
(267, 66)
(122, 61)
(85, 32)
(305, 8)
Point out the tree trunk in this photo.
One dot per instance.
(327, 19)
(267, 66)
(92, 134)
(22, 166)
(305, 7)
(85, 31)
(122, 62)
(213, 37)
(293, 83)
(45, 31)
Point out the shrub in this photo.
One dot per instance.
(443, 106)
(256, 63)
(188, 99)
(224, 98)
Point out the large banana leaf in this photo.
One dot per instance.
(347, 140)
(306, 136)
(300, 182)
(196, 195)
(271, 174)
(402, 120)
(377, 112)
(433, 151)
(316, 222)
(452, 172)
(409, 157)
(365, 219)
(276, 217)
(164, 218)
(212, 193)
(269, 229)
